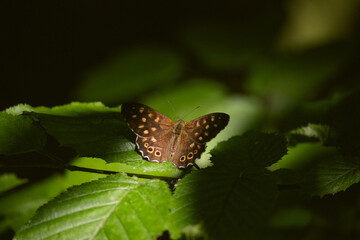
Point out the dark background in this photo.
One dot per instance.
(47, 45)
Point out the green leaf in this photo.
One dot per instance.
(229, 202)
(310, 133)
(94, 130)
(339, 112)
(17, 207)
(332, 175)
(140, 166)
(19, 134)
(9, 181)
(130, 74)
(235, 196)
(116, 207)
(252, 148)
(91, 129)
(80, 109)
(101, 135)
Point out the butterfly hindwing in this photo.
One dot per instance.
(187, 151)
(156, 149)
(204, 128)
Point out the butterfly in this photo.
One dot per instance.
(159, 138)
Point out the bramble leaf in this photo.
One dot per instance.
(235, 196)
(19, 134)
(333, 175)
(116, 207)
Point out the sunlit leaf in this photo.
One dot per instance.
(310, 133)
(9, 181)
(116, 207)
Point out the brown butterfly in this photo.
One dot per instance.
(159, 138)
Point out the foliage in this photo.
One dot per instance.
(288, 162)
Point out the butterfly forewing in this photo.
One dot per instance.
(145, 121)
(204, 128)
(153, 130)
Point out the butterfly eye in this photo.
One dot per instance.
(182, 159)
(146, 145)
(150, 149)
(157, 153)
(190, 155)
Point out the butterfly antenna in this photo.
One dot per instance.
(173, 109)
(190, 112)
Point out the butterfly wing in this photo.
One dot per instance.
(156, 149)
(186, 151)
(205, 128)
(153, 130)
(145, 121)
(194, 137)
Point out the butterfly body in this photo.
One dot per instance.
(159, 138)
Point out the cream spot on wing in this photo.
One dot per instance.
(196, 134)
(141, 126)
(215, 125)
(134, 116)
(143, 119)
(150, 115)
(212, 118)
(153, 129)
(150, 149)
(141, 109)
(204, 121)
(153, 139)
(144, 139)
(207, 126)
(198, 146)
(157, 119)
(198, 123)
(146, 131)
(206, 133)
(192, 145)
(200, 138)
